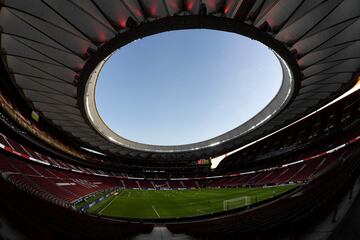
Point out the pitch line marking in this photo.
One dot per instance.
(200, 211)
(108, 204)
(155, 210)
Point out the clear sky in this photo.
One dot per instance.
(185, 86)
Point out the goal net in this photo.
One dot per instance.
(236, 202)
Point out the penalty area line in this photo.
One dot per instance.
(155, 210)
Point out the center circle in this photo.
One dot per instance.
(185, 86)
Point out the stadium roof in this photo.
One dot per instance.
(53, 50)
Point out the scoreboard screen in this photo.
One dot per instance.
(203, 161)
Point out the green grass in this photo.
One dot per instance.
(179, 203)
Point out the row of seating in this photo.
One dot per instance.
(65, 183)
(349, 113)
(298, 172)
(58, 186)
(36, 131)
(313, 130)
(309, 198)
(65, 187)
(28, 152)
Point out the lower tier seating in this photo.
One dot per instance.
(66, 187)
(61, 187)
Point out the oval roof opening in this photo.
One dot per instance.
(186, 86)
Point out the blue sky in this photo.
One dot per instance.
(185, 86)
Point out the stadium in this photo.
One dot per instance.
(289, 171)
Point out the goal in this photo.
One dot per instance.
(236, 202)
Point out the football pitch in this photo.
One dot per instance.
(131, 203)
